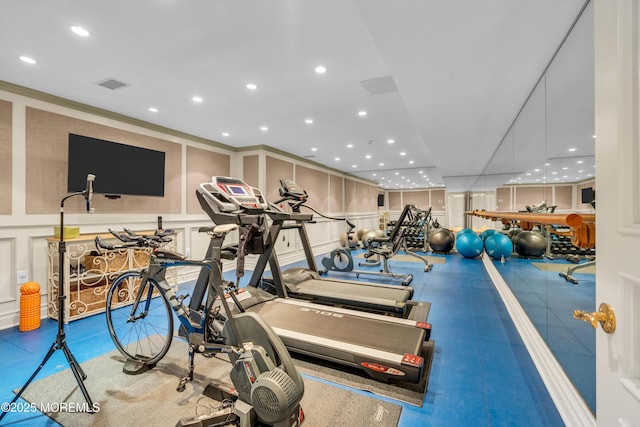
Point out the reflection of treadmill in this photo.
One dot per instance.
(306, 284)
(384, 347)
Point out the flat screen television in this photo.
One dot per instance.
(119, 168)
(380, 199)
(588, 195)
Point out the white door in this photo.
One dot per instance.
(617, 122)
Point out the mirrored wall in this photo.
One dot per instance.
(544, 162)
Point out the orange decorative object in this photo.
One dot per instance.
(29, 306)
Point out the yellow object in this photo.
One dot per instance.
(69, 232)
(29, 306)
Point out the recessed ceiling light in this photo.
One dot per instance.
(368, 156)
(314, 149)
(565, 168)
(580, 162)
(349, 145)
(420, 172)
(403, 153)
(80, 31)
(580, 171)
(554, 173)
(547, 164)
(397, 173)
(411, 162)
(308, 121)
(528, 174)
(572, 149)
(196, 99)
(252, 86)
(321, 69)
(354, 166)
(375, 174)
(337, 159)
(153, 109)
(380, 164)
(390, 141)
(536, 170)
(594, 136)
(264, 128)
(362, 113)
(27, 59)
(225, 133)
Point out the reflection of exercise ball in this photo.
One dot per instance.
(469, 245)
(463, 231)
(487, 233)
(367, 239)
(360, 233)
(530, 244)
(497, 245)
(442, 240)
(513, 234)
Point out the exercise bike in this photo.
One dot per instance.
(268, 388)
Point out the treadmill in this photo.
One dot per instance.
(386, 348)
(306, 283)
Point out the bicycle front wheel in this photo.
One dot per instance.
(139, 318)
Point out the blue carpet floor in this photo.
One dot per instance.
(481, 376)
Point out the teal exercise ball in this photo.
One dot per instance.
(469, 245)
(463, 231)
(498, 246)
(487, 233)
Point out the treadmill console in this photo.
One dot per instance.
(290, 190)
(232, 194)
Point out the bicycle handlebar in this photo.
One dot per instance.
(132, 239)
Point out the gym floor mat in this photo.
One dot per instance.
(562, 268)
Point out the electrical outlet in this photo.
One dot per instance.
(22, 276)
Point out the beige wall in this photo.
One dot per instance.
(250, 173)
(316, 184)
(47, 138)
(5, 157)
(201, 166)
(277, 169)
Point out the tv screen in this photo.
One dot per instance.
(588, 195)
(380, 199)
(119, 168)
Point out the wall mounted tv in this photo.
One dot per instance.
(119, 168)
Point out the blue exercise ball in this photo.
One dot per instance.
(487, 233)
(463, 231)
(469, 245)
(498, 246)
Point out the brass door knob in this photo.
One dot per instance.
(605, 316)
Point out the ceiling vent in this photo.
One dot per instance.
(112, 84)
(379, 85)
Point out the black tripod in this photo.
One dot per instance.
(60, 343)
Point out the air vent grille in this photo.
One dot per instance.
(379, 85)
(111, 84)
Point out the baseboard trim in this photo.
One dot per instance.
(570, 405)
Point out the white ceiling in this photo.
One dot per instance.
(462, 68)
